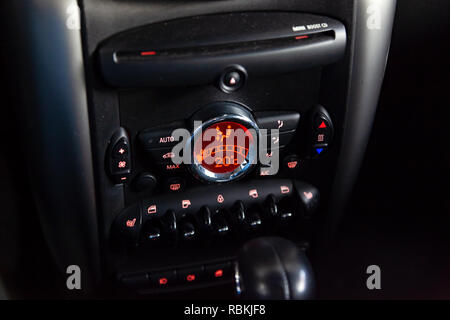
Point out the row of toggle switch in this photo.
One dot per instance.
(215, 211)
(208, 224)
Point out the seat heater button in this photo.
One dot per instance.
(232, 79)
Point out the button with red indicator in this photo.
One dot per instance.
(232, 79)
(174, 184)
(190, 275)
(163, 279)
(321, 133)
(218, 271)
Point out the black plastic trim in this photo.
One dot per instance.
(165, 54)
(373, 23)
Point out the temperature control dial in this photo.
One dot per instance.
(223, 143)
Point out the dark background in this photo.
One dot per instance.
(399, 214)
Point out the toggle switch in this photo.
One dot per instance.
(271, 206)
(188, 231)
(169, 225)
(220, 225)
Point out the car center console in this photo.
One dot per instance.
(165, 88)
(255, 184)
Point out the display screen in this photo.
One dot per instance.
(223, 147)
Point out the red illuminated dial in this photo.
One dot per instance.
(223, 147)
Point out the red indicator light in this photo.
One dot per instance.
(130, 223)
(148, 53)
(185, 204)
(253, 193)
(322, 125)
(301, 37)
(190, 277)
(218, 273)
(284, 189)
(308, 195)
(175, 186)
(162, 281)
(292, 164)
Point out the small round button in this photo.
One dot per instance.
(232, 79)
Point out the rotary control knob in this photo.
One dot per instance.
(223, 145)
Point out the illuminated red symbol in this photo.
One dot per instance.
(301, 37)
(322, 125)
(320, 137)
(168, 155)
(190, 277)
(151, 209)
(280, 124)
(220, 198)
(122, 164)
(148, 53)
(162, 281)
(175, 186)
(130, 223)
(308, 195)
(123, 178)
(292, 164)
(185, 204)
(166, 139)
(121, 150)
(253, 193)
(218, 273)
(172, 166)
(232, 81)
(284, 189)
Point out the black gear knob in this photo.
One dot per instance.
(273, 268)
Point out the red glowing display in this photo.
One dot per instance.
(224, 147)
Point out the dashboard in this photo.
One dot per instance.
(161, 137)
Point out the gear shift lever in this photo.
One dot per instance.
(273, 268)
